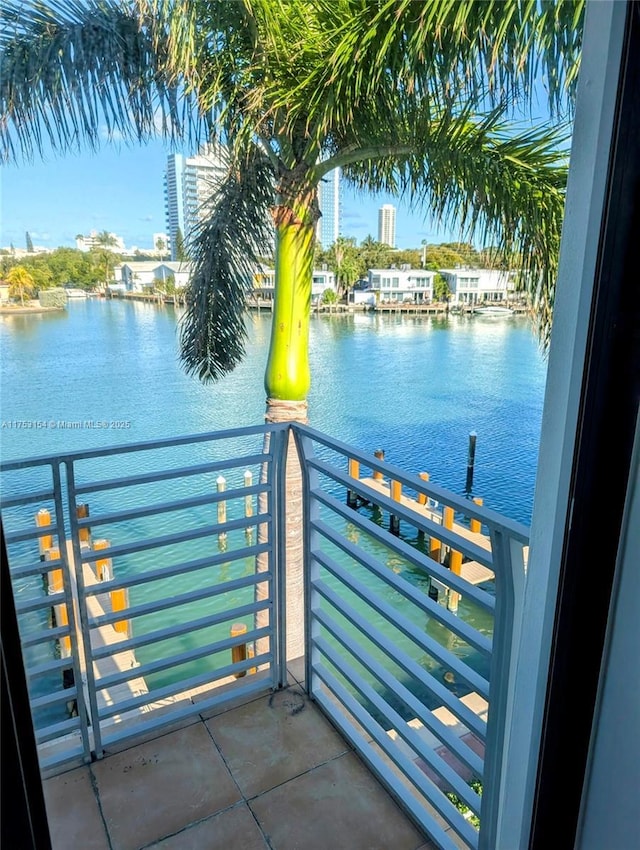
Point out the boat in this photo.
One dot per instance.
(491, 310)
(75, 293)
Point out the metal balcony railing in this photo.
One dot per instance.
(150, 585)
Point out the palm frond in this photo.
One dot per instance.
(75, 71)
(226, 251)
(487, 51)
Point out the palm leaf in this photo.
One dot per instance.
(226, 251)
(71, 72)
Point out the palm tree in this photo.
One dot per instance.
(20, 282)
(407, 97)
(105, 242)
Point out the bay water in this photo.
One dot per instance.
(102, 373)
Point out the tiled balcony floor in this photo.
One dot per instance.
(272, 773)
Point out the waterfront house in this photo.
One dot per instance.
(143, 275)
(404, 284)
(478, 286)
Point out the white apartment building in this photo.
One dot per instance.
(92, 240)
(475, 286)
(188, 186)
(328, 227)
(413, 286)
(387, 225)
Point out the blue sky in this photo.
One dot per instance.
(121, 190)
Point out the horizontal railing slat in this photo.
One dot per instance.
(448, 537)
(27, 499)
(513, 529)
(151, 667)
(199, 533)
(401, 727)
(172, 474)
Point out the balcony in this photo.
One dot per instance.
(163, 590)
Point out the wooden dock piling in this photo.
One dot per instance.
(248, 506)
(379, 453)
(221, 485)
(396, 495)
(474, 524)
(354, 472)
(103, 566)
(84, 534)
(43, 519)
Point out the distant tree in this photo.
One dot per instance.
(29, 242)
(181, 254)
(20, 282)
(441, 291)
(161, 246)
(329, 297)
(106, 241)
(375, 255)
(343, 259)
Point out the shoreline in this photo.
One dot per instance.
(23, 311)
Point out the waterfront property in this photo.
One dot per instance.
(143, 275)
(475, 286)
(404, 284)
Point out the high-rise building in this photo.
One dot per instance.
(189, 183)
(387, 225)
(328, 228)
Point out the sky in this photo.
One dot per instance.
(120, 189)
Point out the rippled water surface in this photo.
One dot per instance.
(413, 386)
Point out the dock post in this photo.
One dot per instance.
(471, 459)
(455, 565)
(474, 524)
(60, 613)
(84, 534)
(248, 506)
(221, 484)
(103, 566)
(43, 519)
(379, 453)
(239, 652)
(354, 472)
(422, 498)
(396, 495)
(120, 602)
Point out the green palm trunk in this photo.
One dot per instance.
(287, 375)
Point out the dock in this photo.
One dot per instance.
(471, 571)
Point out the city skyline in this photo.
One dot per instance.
(121, 190)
